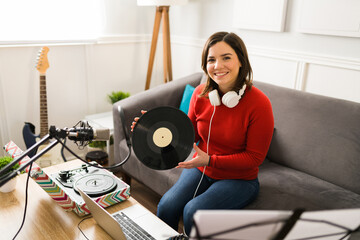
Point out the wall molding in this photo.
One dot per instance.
(333, 61)
(302, 59)
(302, 62)
(310, 58)
(106, 39)
(41, 43)
(326, 60)
(300, 77)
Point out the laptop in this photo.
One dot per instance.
(131, 218)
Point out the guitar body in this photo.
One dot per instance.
(30, 137)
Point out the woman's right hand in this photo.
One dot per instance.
(136, 119)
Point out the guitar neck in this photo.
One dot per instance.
(44, 126)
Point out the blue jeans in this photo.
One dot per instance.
(212, 194)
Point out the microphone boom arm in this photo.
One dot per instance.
(57, 134)
(53, 133)
(7, 177)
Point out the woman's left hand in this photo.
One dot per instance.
(202, 159)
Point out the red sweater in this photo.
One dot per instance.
(240, 137)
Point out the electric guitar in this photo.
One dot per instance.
(29, 135)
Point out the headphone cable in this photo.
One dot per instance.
(207, 152)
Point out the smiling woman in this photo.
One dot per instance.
(223, 66)
(232, 136)
(23, 21)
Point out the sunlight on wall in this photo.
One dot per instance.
(23, 20)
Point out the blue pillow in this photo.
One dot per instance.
(185, 101)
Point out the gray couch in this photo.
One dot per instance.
(313, 161)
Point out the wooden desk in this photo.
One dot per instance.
(45, 219)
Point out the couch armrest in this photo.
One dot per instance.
(168, 94)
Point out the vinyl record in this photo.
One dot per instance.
(163, 137)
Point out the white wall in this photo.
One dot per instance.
(310, 62)
(81, 75)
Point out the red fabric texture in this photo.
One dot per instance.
(240, 137)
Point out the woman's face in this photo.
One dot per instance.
(223, 65)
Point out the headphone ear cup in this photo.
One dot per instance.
(230, 99)
(214, 98)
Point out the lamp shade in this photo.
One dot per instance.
(160, 2)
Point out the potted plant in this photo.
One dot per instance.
(99, 145)
(10, 185)
(117, 96)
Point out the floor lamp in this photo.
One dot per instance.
(162, 12)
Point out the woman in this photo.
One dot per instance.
(232, 141)
(230, 150)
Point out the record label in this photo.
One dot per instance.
(163, 137)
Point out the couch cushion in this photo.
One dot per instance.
(315, 134)
(185, 101)
(283, 188)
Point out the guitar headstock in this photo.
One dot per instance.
(42, 63)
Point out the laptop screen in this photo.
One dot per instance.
(104, 219)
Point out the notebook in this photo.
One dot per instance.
(136, 214)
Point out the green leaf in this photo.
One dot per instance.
(117, 96)
(5, 161)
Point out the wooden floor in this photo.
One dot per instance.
(148, 198)
(144, 195)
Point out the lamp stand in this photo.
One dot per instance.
(161, 12)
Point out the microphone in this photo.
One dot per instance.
(82, 133)
(88, 134)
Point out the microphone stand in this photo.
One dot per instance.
(52, 133)
(57, 134)
(289, 224)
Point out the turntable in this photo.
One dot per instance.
(93, 181)
(104, 187)
(100, 184)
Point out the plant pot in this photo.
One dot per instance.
(9, 186)
(91, 149)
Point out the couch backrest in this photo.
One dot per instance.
(316, 134)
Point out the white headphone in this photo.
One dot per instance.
(230, 99)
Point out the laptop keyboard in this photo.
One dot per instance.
(131, 229)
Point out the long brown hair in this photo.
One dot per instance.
(235, 42)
